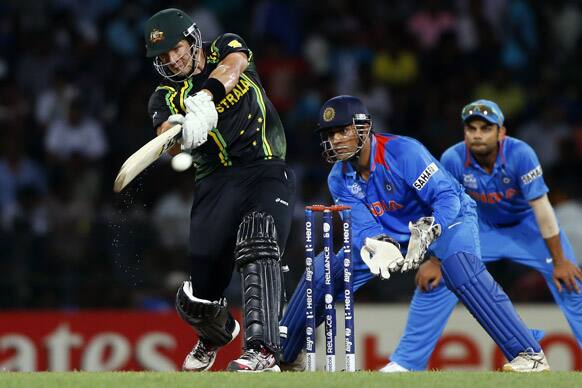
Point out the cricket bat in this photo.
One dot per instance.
(145, 156)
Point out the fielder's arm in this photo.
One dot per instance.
(564, 271)
(548, 225)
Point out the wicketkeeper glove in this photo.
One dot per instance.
(422, 233)
(382, 255)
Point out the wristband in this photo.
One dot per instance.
(215, 87)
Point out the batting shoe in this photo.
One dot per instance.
(528, 362)
(202, 357)
(255, 360)
(393, 367)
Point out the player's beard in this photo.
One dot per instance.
(483, 150)
(182, 67)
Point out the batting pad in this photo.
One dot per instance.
(257, 260)
(467, 277)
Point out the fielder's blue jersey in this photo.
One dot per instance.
(503, 195)
(406, 182)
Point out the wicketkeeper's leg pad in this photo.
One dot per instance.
(467, 277)
(258, 261)
(211, 319)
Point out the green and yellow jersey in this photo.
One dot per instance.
(249, 127)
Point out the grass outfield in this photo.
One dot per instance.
(294, 380)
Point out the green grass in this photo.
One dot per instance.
(294, 380)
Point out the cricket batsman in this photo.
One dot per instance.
(403, 200)
(244, 191)
(516, 222)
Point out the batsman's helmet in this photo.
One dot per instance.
(164, 30)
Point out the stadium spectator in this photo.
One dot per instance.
(77, 134)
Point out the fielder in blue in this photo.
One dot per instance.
(402, 196)
(516, 221)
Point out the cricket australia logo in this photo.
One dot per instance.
(425, 176)
(156, 36)
(469, 181)
(356, 190)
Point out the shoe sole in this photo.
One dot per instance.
(509, 368)
(199, 370)
(273, 369)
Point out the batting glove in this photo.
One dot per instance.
(194, 133)
(202, 106)
(176, 119)
(382, 255)
(422, 233)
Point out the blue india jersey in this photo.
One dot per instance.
(406, 182)
(503, 195)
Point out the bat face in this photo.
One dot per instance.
(145, 156)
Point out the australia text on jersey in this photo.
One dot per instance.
(241, 88)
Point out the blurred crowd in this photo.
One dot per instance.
(74, 86)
